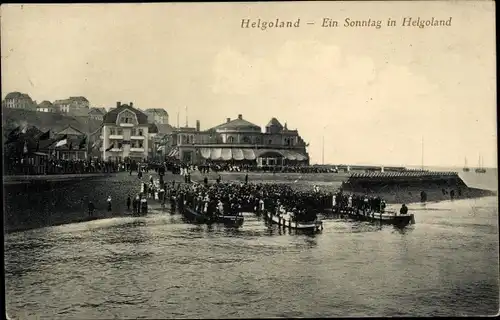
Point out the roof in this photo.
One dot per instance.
(274, 122)
(111, 116)
(237, 124)
(45, 104)
(100, 111)
(152, 128)
(62, 101)
(44, 121)
(17, 95)
(164, 128)
(156, 110)
(70, 130)
(97, 110)
(79, 99)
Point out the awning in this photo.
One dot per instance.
(174, 153)
(227, 154)
(300, 157)
(289, 155)
(205, 153)
(238, 154)
(248, 154)
(216, 154)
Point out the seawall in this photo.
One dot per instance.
(407, 187)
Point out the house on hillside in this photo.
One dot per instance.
(157, 115)
(73, 106)
(45, 106)
(18, 100)
(97, 113)
(125, 134)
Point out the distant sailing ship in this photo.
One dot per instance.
(480, 168)
(466, 169)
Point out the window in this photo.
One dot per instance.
(270, 141)
(246, 140)
(119, 145)
(112, 131)
(230, 140)
(125, 120)
(133, 131)
(140, 132)
(140, 144)
(119, 131)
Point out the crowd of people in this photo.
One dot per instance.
(343, 201)
(232, 198)
(52, 165)
(178, 167)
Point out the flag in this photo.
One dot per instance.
(13, 136)
(61, 142)
(82, 143)
(159, 149)
(44, 136)
(70, 146)
(110, 147)
(25, 148)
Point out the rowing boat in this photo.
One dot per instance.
(388, 217)
(195, 216)
(286, 220)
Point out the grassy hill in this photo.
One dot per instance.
(44, 121)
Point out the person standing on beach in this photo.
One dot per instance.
(91, 209)
(109, 203)
(128, 203)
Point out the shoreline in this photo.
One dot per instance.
(33, 202)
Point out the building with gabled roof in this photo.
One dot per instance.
(18, 100)
(45, 106)
(97, 113)
(125, 134)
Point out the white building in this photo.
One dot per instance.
(125, 134)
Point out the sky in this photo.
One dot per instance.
(372, 95)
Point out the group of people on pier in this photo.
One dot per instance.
(183, 168)
(342, 201)
(233, 198)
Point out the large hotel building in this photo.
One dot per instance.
(238, 141)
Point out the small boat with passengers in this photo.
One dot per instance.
(198, 217)
(386, 217)
(289, 220)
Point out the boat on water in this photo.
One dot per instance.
(287, 220)
(480, 168)
(466, 168)
(388, 217)
(198, 217)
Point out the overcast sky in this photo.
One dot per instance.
(372, 93)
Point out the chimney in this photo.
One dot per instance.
(228, 120)
(118, 104)
(197, 125)
(131, 104)
(240, 116)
